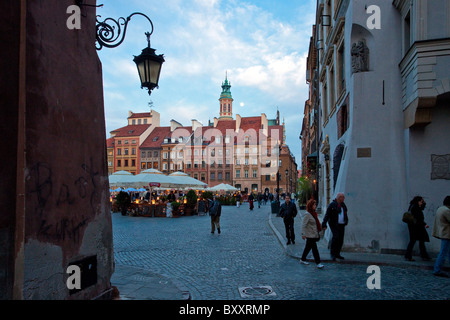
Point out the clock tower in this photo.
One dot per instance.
(226, 101)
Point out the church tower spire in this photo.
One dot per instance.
(226, 100)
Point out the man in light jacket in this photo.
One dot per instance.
(441, 230)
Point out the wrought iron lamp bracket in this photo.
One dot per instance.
(109, 32)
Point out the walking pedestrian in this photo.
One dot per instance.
(250, 200)
(215, 212)
(336, 217)
(260, 197)
(311, 229)
(417, 229)
(441, 230)
(288, 211)
(238, 200)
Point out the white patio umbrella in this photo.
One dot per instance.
(184, 180)
(222, 187)
(146, 177)
(120, 178)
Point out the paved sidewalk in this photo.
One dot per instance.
(296, 250)
(139, 284)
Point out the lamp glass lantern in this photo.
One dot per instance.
(149, 67)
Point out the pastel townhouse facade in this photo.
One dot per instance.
(384, 114)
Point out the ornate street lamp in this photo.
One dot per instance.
(108, 34)
(149, 66)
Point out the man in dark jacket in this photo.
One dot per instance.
(337, 219)
(288, 211)
(215, 212)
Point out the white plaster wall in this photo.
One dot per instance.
(422, 142)
(374, 187)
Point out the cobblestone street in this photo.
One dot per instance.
(248, 254)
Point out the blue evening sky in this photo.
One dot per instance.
(262, 45)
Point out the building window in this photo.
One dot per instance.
(342, 119)
(155, 154)
(203, 177)
(227, 176)
(340, 69)
(119, 163)
(331, 96)
(246, 173)
(133, 151)
(238, 173)
(267, 177)
(119, 152)
(255, 173)
(213, 176)
(133, 162)
(165, 155)
(407, 33)
(165, 166)
(219, 175)
(324, 101)
(126, 163)
(126, 151)
(143, 154)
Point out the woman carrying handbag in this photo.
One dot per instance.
(417, 229)
(311, 229)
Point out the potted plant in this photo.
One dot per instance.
(191, 202)
(123, 201)
(304, 195)
(175, 207)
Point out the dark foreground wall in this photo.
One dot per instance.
(54, 187)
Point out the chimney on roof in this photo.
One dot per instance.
(130, 113)
(238, 122)
(264, 124)
(196, 124)
(174, 124)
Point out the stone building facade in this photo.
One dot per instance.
(54, 185)
(383, 113)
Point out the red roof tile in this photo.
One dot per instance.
(158, 132)
(130, 130)
(140, 115)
